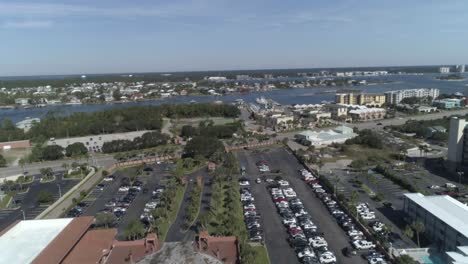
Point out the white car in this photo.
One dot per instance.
(327, 257)
(307, 252)
(283, 183)
(368, 216)
(355, 232)
(363, 244)
(316, 186)
(124, 189)
(122, 209)
(376, 261)
(108, 179)
(378, 226)
(264, 168)
(319, 190)
(301, 212)
(269, 180)
(151, 205)
(244, 183)
(249, 206)
(289, 221)
(316, 242)
(434, 187)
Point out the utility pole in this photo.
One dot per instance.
(60, 190)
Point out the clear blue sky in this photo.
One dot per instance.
(100, 36)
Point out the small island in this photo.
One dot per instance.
(450, 77)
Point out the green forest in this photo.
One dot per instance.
(115, 120)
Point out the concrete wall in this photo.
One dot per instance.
(15, 144)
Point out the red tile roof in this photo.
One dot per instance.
(92, 247)
(222, 248)
(62, 244)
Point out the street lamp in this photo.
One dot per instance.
(60, 191)
(460, 173)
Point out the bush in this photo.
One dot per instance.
(368, 138)
(75, 149)
(45, 197)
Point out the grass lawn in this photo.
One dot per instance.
(13, 155)
(4, 201)
(177, 124)
(262, 254)
(164, 227)
(356, 152)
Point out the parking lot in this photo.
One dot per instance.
(27, 201)
(108, 196)
(275, 234)
(391, 215)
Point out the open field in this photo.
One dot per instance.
(13, 155)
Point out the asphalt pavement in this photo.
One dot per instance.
(29, 204)
(275, 234)
(176, 232)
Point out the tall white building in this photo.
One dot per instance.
(461, 68)
(395, 97)
(457, 153)
(444, 69)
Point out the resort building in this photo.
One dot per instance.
(444, 219)
(395, 97)
(371, 100)
(326, 137)
(448, 103)
(363, 114)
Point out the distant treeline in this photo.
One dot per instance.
(62, 81)
(113, 121)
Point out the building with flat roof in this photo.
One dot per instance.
(363, 114)
(326, 137)
(448, 103)
(69, 240)
(372, 100)
(395, 97)
(444, 218)
(444, 69)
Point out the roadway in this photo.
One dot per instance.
(34, 168)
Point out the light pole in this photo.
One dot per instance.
(60, 190)
(460, 173)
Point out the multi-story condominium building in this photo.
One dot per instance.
(444, 69)
(444, 219)
(461, 68)
(395, 97)
(457, 153)
(364, 114)
(372, 100)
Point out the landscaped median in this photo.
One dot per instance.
(163, 224)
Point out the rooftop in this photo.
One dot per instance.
(32, 237)
(444, 207)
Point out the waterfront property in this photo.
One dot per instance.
(363, 114)
(444, 219)
(371, 100)
(448, 103)
(326, 137)
(395, 97)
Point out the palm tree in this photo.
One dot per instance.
(421, 149)
(408, 232)
(22, 163)
(65, 166)
(419, 228)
